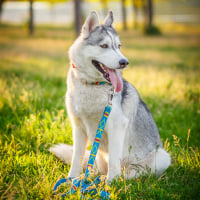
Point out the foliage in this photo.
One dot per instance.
(152, 30)
(165, 70)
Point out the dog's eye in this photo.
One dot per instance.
(119, 46)
(104, 46)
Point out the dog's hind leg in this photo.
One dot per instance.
(161, 160)
(155, 162)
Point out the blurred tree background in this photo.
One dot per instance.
(146, 14)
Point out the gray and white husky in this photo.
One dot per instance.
(131, 142)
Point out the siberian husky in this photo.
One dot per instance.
(131, 142)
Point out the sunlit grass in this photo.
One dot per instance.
(165, 70)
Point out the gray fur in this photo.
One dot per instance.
(145, 130)
(131, 137)
(102, 32)
(124, 91)
(145, 134)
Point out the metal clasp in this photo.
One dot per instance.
(110, 96)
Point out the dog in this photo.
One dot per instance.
(131, 142)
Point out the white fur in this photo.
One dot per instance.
(85, 105)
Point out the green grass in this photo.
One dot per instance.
(164, 69)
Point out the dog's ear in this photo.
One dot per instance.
(90, 24)
(109, 19)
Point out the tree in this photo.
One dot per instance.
(148, 12)
(124, 15)
(78, 14)
(31, 23)
(1, 8)
(137, 6)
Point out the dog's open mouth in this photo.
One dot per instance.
(110, 75)
(102, 68)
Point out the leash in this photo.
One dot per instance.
(83, 182)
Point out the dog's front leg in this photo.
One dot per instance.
(79, 146)
(116, 135)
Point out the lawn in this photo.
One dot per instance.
(166, 72)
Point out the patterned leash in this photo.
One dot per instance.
(85, 185)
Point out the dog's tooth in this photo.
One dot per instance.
(103, 68)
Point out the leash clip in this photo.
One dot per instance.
(110, 96)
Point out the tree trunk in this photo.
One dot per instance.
(77, 11)
(31, 23)
(1, 8)
(150, 13)
(135, 11)
(124, 15)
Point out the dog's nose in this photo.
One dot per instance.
(123, 63)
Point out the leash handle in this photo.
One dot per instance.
(97, 140)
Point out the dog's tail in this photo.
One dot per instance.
(63, 152)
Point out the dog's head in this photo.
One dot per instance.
(96, 53)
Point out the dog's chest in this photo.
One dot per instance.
(87, 104)
(88, 100)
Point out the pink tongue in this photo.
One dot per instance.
(115, 79)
